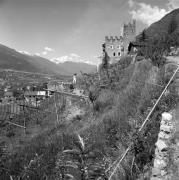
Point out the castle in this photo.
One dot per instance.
(115, 46)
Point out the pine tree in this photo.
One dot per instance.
(143, 36)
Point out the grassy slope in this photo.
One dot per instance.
(116, 108)
(118, 114)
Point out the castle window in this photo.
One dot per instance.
(119, 53)
(118, 47)
(114, 54)
(111, 46)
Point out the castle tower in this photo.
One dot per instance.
(129, 34)
(114, 47)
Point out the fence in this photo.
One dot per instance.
(21, 112)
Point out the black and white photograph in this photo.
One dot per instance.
(89, 89)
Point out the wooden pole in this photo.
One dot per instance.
(56, 109)
(24, 118)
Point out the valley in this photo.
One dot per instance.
(75, 121)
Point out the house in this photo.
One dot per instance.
(174, 51)
(55, 87)
(34, 97)
(8, 96)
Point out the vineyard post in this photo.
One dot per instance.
(56, 108)
(24, 118)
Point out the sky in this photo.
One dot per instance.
(74, 30)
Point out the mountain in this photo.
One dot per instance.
(77, 67)
(169, 24)
(11, 59)
(46, 66)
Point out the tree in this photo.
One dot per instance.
(173, 40)
(156, 49)
(143, 36)
(172, 26)
(104, 66)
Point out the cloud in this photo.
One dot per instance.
(149, 14)
(49, 49)
(37, 54)
(44, 53)
(146, 13)
(131, 3)
(101, 17)
(24, 52)
(173, 4)
(71, 57)
(75, 55)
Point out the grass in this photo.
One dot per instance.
(119, 110)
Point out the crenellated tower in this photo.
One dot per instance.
(129, 33)
(115, 46)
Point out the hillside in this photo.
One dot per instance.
(169, 24)
(46, 66)
(77, 67)
(11, 59)
(88, 138)
(106, 128)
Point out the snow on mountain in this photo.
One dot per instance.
(24, 52)
(72, 58)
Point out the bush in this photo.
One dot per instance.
(106, 99)
(125, 61)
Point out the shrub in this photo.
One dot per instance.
(80, 158)
(125, 61)
(106, 99)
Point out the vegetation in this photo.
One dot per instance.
(83, 159)
(156, 41)
(118, 115)
(121, 100)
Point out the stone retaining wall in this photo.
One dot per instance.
(160, 170)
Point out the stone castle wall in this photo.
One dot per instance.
(115, 46)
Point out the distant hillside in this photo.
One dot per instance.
(74, 67)
(169, 24)
(46, 66)
(11, 59)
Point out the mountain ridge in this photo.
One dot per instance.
(169, 24)
(12, 59)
